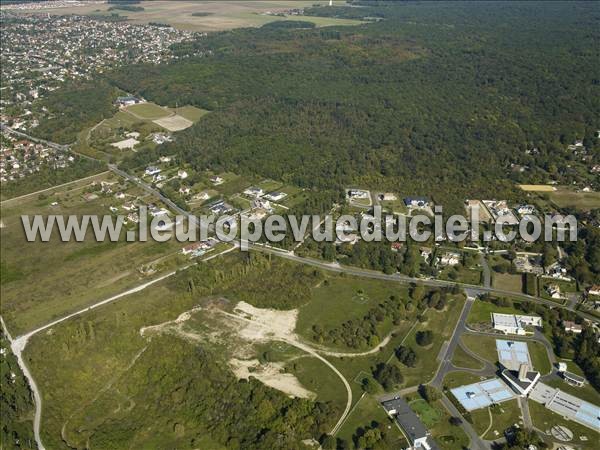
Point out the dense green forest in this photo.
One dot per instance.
(435, 99)
(16, 403)
(74, 108)
(438, 99)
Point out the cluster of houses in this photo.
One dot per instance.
(42, 51)
(21, 157)
(200, 248)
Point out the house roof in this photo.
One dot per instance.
(409, 421)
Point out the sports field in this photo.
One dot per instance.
(174, 123)
(148, 111)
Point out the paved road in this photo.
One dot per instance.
(37, 398)
(476, 442)
(446, 361)
(487, 273)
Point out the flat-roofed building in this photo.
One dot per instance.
(567, 405)
(482, 394)
(418, 436)
(514, 324)
(513, 354)
(572, 379)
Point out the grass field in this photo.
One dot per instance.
(428, 415)
(309, 371)
(462, 359)
(148, 111)
(442, 324)
(544, 419)
(482, 312)
(50, 279)
(191, 113)
(508, 282)
(221, 15)
(367, 411)
(341, 294)
(566, 197)
(505, 415)
(460, 378)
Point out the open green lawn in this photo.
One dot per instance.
(544, 419)
(507, 282)
(442, 324)
(310, 371)
(567, 197)
(337, 300)
(191, 113)
(504, 415)
(428, 414)
(51, 279)
(367, 410)
(148, 111)
(485, 346)
(482, 312)
(462, 359)
(460, 378)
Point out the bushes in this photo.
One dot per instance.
(429, 393)
(424, 338)
(388, 375)
(406, 356)
(530, 283)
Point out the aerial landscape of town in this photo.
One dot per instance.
(233, 224)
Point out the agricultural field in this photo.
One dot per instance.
(70, 275)
(209, 16)
(567, 197)
(508, 282)
(537, 187)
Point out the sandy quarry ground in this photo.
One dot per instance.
(239, 331)
(268, 323)
(272, 375)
